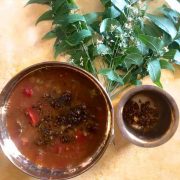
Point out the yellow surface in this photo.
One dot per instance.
(21, 46)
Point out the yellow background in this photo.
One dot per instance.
(21, 46)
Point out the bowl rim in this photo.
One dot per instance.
(10, 84)
(132, 137)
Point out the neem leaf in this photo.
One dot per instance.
(37, 2)
(48, 15)
(165, 24)
(118, 60)
(142, 48)
(120, 4)
(158, 83)
(105, 1)
(177, 57)
(132, 49)
(58, 4)
(133, 58)
(166, 38)
(112, 12)
(152, 30)
(60, 48)
(92, 17)
(136, 82)
(173, 54)
(132, 1)
(102, 49)
(49, 35)
(78, 37)
(154, 69)
(72, 6)
(61, 11)
(109, 25)
(69, 19)
(170, 13)
(151, 42)
(111, 75)
(178, 41)
(166, 65)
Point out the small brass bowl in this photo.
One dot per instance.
(163, 132)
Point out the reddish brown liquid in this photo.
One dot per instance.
(23, 134)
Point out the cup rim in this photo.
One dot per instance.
(132, 137)
(109, 127)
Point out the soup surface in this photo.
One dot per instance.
(147, 114)
(56, 117)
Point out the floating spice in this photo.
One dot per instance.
(147, 114)
(141, 115)
(60, 124)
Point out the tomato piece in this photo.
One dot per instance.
(33, 116)
(28, 92)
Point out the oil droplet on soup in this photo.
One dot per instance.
(57, 118)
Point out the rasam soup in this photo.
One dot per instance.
(56, 117)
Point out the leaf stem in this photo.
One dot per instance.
(112, 63)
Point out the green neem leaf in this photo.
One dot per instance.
(69, 19)
(142, 48)
(78, 57)
(111, 75)
(133, 58)
(151, 42)
(112, 12)
(92, 17)
(102, 49)
(58, 4)
(37, 2)
(60, 12)
(152, 30)
(109, 25)
(105, 1)
(170, 13)
(60, 48)
(78, 37)
(177, 58)
(136, 82)
(72, 6)
(173, 54)
(165, 24)
(50, 35)
(158, 83)
(154, 69)
(132, 49)
(48, 15)
(132, 1)
(118, 61)
(166, 65)
(95, 27)
(178, 41)
(166, 38)
(120, 4)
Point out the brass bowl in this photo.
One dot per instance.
(21, 161)
(159, 138)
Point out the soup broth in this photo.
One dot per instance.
(56, 117)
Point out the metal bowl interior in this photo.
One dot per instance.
(21, 161)
(146, 141)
